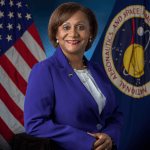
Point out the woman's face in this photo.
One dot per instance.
(74, 34)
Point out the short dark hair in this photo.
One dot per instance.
(62, 13)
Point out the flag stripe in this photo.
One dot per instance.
(13, 74)
(6, 133)
(33, 46)
(20, 49)
(11, 105)
(13, 124)
(25, 53)
(11, 89)
(3, 143)
(33, 31)
(16, 59)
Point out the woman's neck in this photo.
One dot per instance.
(77, 63)
(75, 60)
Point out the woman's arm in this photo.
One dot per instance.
(38, 107)
(113, 124)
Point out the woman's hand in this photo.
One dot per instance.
(103, 141)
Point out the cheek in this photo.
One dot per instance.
(86, 37)
(60, 35)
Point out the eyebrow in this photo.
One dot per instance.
(69, 22)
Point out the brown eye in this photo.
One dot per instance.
(66, 27)
(80, 27)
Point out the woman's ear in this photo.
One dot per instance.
(56, 36)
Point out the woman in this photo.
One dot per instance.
(69, 99)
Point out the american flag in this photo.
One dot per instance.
(20, 49)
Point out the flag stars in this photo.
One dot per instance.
(19, 15)
(2, 3)
(10, 26)
(1, 14)
(9, 37)
(11, 3)
(19, 27)
(0, 37)
(19, 4)
(10, 14)
(1, 27)
(28, 16)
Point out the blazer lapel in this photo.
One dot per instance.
(66, 69)
(97, 77)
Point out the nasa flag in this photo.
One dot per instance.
(124, 51)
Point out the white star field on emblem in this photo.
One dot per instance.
(2, 3)
(28, 16)
(19, 27)
(1, 27)
(10, 14)
(0, 37)
(19, 15)
(11, 3)
(1, 14)
(10, 26)
(9, 37)
(19, 4)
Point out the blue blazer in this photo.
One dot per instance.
(60, 107)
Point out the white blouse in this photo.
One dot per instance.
(92, 87)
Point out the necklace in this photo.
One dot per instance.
(83, 71)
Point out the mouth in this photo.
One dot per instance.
(73, 42)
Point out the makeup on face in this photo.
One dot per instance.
(73, 35)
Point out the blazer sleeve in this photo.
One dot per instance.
(38, 107)
(114, 123)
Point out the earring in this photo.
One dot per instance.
(90, 40)
(57, 41)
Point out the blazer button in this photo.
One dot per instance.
(99, 126)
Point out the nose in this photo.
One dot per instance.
(73, 32)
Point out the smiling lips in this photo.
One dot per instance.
(73, 42)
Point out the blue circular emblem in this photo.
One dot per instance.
(126, 51)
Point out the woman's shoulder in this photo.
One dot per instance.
(48, 62)
(97, 65)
